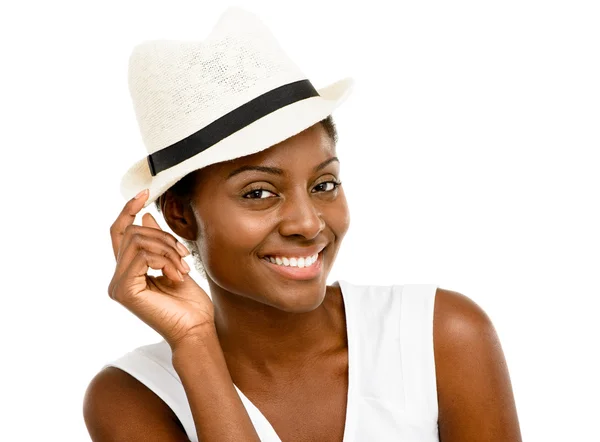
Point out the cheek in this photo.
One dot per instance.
(228, 238)
(338, 217)
(228, 250)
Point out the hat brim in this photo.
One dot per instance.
(260, 135)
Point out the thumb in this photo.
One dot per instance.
(149, 221)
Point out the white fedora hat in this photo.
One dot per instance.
(202, 102)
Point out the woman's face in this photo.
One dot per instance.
(282, 203)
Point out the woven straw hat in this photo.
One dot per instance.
(202, 102)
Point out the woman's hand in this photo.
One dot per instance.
(172, 304)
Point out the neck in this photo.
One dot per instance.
(268, 342)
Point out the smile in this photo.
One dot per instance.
(299, 268)
(299, 262)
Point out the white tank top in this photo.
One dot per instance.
(392, 393)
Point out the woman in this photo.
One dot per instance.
(251, 182)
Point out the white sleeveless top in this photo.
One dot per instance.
(392, 393)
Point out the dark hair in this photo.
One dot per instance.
(185, 186)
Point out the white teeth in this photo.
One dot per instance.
(294, 262)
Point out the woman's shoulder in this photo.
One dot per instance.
(460, 323)
(458, 315)
(128, 398)
(474, 390)
(461, 328)
(117, 406)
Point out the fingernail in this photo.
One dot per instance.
(143, 192)
(185, 265)
(180, 275)
(182, 249)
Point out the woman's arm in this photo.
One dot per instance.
(219, 414)
(475, 396)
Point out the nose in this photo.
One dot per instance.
(301, 216)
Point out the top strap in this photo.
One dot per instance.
(416, 334)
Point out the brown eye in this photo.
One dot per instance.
(258, 194)
(327, 186)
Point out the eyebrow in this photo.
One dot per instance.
(276, 171)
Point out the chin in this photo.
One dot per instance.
(297, 299)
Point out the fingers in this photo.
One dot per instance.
(138, 248)
(123, 227)
(145, 259)
(126, 218)
(149, 221)
(147, 241)
(133, 278)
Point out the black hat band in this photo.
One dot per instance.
(230, 123)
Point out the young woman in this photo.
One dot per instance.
(250, 181)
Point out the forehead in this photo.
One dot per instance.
(300, 151)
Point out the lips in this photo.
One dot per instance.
(295, 271)
(300, 262)
(295, 252)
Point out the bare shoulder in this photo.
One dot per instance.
(475, 395)
(117, 406)
(456, 314)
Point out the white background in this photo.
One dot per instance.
(469, 158)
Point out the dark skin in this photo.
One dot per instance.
(285, 341)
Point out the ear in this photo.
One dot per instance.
(179, 215)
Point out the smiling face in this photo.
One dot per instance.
(283, 204)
